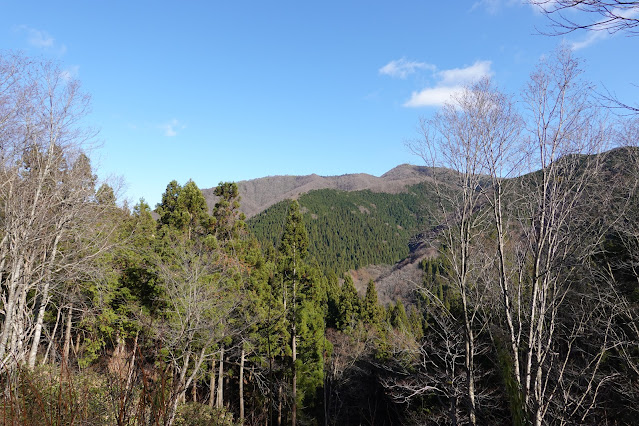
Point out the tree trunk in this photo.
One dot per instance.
(67, 338)
(38, 328)
(9, 308)
(242, 386)
(180, 388)
(76, 348)
(19, 335)
(52, 338)
(294, 340)
(220, 381)
(279, 405)
(43, 306)
(212, 384)
(453, 411)
(294, 380)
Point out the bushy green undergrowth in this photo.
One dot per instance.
(195, 414)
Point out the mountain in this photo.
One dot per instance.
(259, 194)
(352, 229)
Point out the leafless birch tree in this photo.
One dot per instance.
(534, 180)
(454, 144)
(46, 196)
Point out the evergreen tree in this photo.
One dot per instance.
(183, 208)
(397, 315)
(415, 323)
(168, 205)
(229, 221)
(333, 294)
(349, 306)
(303, 299)
(372, 311)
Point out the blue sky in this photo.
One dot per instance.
(233, 90)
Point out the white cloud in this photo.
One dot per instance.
(539, 6)
(401, 68)
(41, 39)
(631, 13)
(462, 76)
(171, 128)
(450, 82)
(38, 38)
(592, 37)
(435, 96)
(600, 30)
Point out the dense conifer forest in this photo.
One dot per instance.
(349, 230)
(188, 314)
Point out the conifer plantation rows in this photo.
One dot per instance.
(525, 313)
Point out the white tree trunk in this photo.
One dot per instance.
(242, 385)
(67, 338)
(220, 381)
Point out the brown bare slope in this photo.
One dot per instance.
(398, 281)
(259, 194)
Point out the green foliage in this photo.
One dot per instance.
(294, 244)
(302, 290)
(333, 293)
(169, 204)
(229, 221)
(372, 311)
(436, 283)
(397, 315)
(105, 195)
(184, 208)
(349, 230)
(415, 323)
(349, 305)
(137, 262)
(194, 414)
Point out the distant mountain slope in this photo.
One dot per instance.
(259, 194)
(352, 229)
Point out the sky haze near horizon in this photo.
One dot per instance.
(228, 91)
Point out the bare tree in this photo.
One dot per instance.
(610, 15)
(565, 134)
(437, 366)
(47, 197)
(522, 225)
(199, 296)
(454, 144)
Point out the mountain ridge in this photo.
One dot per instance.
(261, 193)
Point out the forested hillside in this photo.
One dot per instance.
(349, 230)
